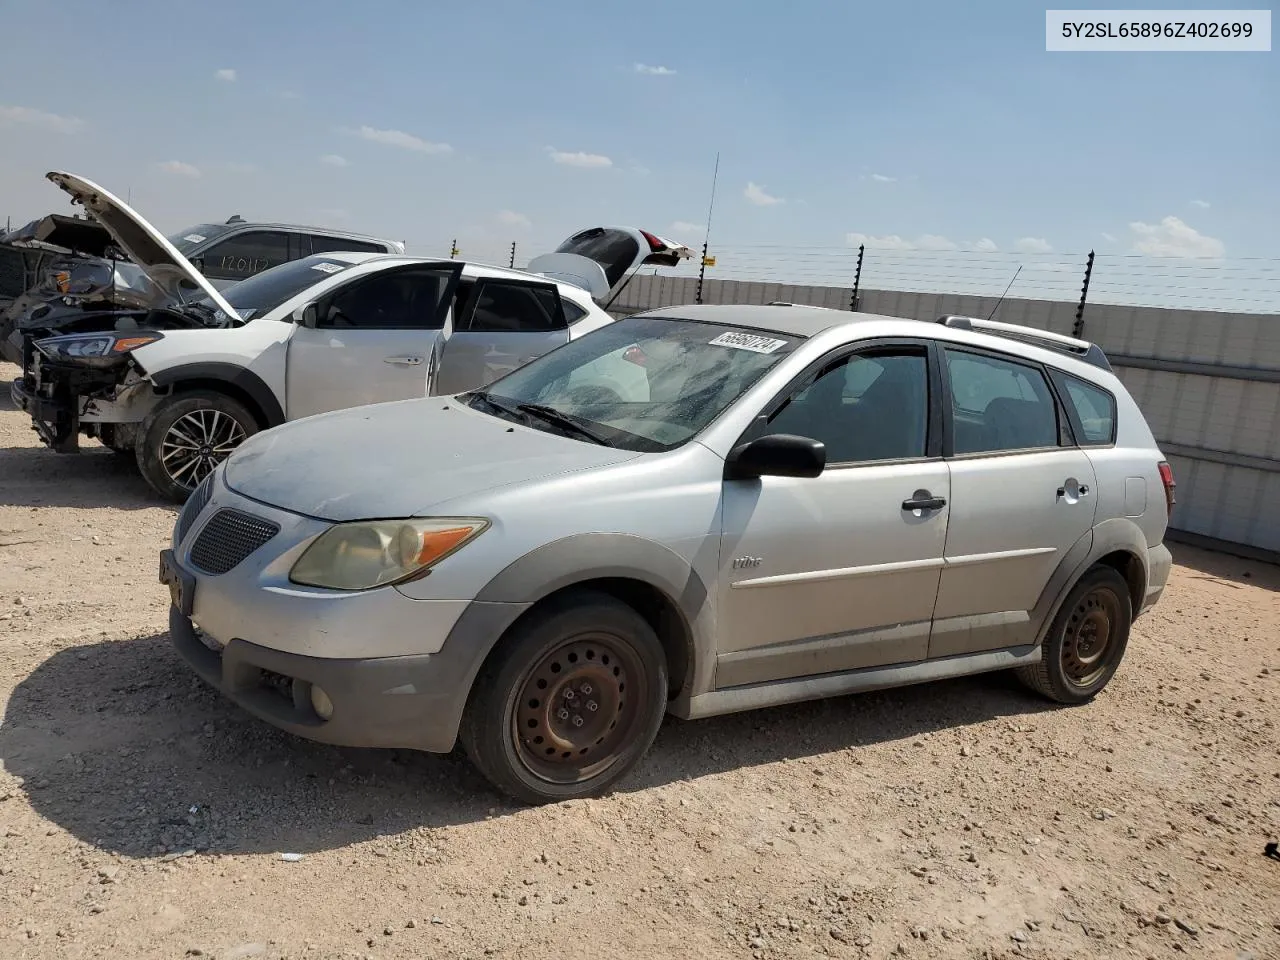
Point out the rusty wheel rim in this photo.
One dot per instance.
(1090, 637)
(578, 709)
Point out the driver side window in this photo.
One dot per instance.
(865, 407)
(409, 299)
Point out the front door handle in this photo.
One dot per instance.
(403, 361)
(924, 503)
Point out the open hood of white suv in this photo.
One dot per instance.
(600, 260)
(144, 244)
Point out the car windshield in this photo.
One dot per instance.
(267, 290)
(190, 238)
(644, 383)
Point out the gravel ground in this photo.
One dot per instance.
(141, 816)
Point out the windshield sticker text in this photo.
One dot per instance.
(193, 238)
(747, 341)
(327, 267)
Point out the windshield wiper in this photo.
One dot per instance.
(489, 400)
(563, 420)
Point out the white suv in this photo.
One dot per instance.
(786, 504)
(182, 389)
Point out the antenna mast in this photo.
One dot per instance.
(706, 240)
(1006, 292)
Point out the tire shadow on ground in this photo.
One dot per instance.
(119, 744)
(94, 477)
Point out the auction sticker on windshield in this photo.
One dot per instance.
(193, 238)
(328, 267)
(748, 341)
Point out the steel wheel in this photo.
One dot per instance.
(578, 707)
(1088, 636)
(196, 443)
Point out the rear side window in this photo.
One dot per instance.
(502, 307)
(999, 405)
(1094, 409)
(246, 254)
(325, 244)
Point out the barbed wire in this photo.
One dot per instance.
(1236, 284)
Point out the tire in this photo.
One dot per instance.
(1073, 668)
(600, 661)
(216, 421)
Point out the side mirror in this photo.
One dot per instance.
(776, 455)
(305, 315)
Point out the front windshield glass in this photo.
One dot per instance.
(265, 291)
(643, 383)
(192, 237)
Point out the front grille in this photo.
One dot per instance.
(198, 500)
(228, 538)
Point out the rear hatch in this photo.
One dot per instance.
(601, 260)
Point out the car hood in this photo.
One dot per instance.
(400, 459)
(144, 244)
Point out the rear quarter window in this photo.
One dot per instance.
(1094, 409)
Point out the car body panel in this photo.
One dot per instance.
(602, 259)
(296, 466)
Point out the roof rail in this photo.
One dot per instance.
(1090, 353)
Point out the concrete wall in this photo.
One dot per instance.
(1208, 383)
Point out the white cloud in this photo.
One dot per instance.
(931, 241)
(1032, 245)
(1202, 204)
(333, 160)
(398, 138)
(889, 242)
(567, 158)
(1108, 237)
(226, 75)
(179, 169)
(512, 219)
(881, 178)
(1173, 238)
(986, 245)
(655, 71)
(756, 194)
(39, 118)
(686, 226)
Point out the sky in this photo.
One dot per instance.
(940, 135)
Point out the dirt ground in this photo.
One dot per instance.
(141, 816)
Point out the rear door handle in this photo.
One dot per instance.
(924, 503)
(403, 361)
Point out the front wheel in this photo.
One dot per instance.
(187, 436)
(1086, 641)
(569, 701)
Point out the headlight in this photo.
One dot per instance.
(374, 553)
(94, 346)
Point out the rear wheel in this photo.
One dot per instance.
(1087, 640)
(187, 436)
(569, 702)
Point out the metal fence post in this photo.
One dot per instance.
(513, 255)
(702, 270)
(1077, 329)
(453, 248)
(857, 279)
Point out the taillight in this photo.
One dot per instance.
(1166, 477)
(654, 243)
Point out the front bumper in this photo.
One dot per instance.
(396, 670)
